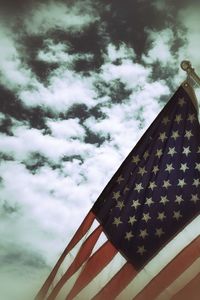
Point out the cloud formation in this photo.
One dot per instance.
(80, 83)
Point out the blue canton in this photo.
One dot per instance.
(156, 191)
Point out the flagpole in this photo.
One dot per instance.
(187, 67)
(191, 78)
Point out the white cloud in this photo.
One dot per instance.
(27, 140)
(13, 73)
(129, 72)
(61, 16)
(58, 53)
(132, 74)
(49, 200)
(65, 89)
(160, 48)
(123, 52)
(66, 129)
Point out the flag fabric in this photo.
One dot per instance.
(149, 216)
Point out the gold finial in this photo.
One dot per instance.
(187, 67)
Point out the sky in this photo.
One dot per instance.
(80, 82)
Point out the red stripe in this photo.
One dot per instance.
(84, 227)
(117, 283)
(172, 271)
(93, 267)
(190, 291)
(82, 256)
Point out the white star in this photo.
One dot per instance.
(177, 215)
(166, 183)
(175, 135)
(149, 201)
(195, 198)
(197, 167)
(146, 217)
(181, 182)
(196, 182)
(152, 185)
(120, 179)
(117, 221)
(129, 235)
(135, 159)
(132, 220)
(178, 118)
(191, 118)
(186, 150)
(141, 250)
(162, 136)
(135, 204)
(146, 154)
(159, 153)
(181, 101)
(138, 187)
(188, 134)
(164, 200)
(142, 171)
(116, 195)
(169, 168)
(184, 167)
(155, 169)
(165, 120)
(143, 233)
(161, 216)
(179, 199)
(159, 232)
(172, 151)
(120, 204)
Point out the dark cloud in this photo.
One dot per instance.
(93, 138)
(71, 158)
(115, 89)
(126, 22)
(31, 46)
(6, 125)
(22, 257)
(13, 108)
(8, 209)
(17, 8)
(35, 161)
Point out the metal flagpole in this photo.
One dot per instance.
(187, 67)
(192, 78)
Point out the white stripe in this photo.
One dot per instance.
(144, 277)
(102, 278)
(181, 281)
(72, 254)
(175, 246)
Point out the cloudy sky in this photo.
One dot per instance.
(80, 81)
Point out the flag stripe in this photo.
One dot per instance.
(190, 291)
(97, 284)
(181, 262)
(95, 264)
(164, 257)
(82, 256)
(117, 283)
(82, 230)
(181, 281)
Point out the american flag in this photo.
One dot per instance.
(148, 215)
